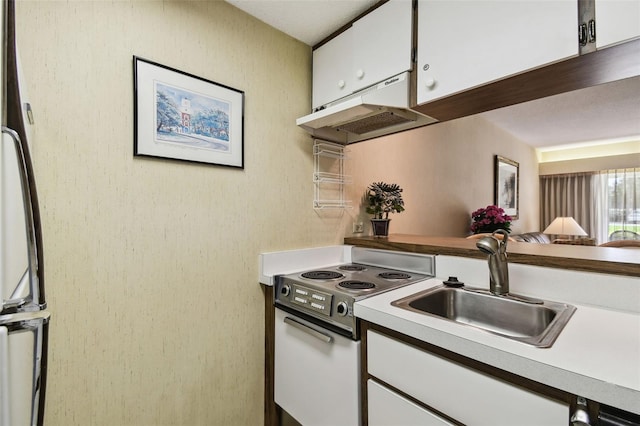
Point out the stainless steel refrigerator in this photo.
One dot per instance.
(24, 322)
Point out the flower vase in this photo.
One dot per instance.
(380, 227)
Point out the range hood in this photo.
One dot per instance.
(378, 110)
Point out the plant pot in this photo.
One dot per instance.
(380, 227)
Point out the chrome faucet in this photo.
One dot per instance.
(498, 266)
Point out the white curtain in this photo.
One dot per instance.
(600, 223)
(618, 200)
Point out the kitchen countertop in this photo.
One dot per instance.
(609, 260)
(595, 356)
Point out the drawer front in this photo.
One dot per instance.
(388, 408)
(460, 392)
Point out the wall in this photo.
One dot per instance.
(590, 164)
(151, 265)
(446, 171)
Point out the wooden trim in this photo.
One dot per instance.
(603, 66)
(348, 25)
(413, 74)
(606, 260)
(364, 375)
(272, 412)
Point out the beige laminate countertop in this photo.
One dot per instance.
(609, 260)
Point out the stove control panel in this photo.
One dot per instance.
(307, 298)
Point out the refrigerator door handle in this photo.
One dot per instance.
(23, 366)
(30, 228)
(5, 415)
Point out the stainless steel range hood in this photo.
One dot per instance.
(378, 110)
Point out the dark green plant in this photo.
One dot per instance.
(384, 198)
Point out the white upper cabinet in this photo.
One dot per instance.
(382, 42)
(616, 21)
(332, 68)
(468, 43)
(376, 47)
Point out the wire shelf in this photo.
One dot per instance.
(329, 184)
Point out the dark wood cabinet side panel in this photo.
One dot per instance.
(271, 410)
(364, 375)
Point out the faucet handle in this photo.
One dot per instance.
(502, 241)
(453, 282)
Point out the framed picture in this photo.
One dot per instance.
(507, 185)
(184, 117)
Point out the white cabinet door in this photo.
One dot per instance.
(616, 21)
(332, 69)
(468, 43)
(376, 47)
(458, 391)
(388, 408)
(382, 41)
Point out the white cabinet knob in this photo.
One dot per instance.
(430, 83)
(360, 74)
(341, 84)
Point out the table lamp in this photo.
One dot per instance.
(565, 226)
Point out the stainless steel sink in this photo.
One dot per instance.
(535, 322)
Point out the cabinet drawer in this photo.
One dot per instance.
(388, 408)
(460, 392)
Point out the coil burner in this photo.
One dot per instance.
(322, 275)
(394, 275)
(352, 268)
(356, 285)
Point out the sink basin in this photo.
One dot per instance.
(535, 322)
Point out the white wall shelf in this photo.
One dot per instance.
(328, 175)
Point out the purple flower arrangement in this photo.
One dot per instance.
(489, 219)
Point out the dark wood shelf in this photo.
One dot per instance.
(607, 260)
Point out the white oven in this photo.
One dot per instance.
(317, 339)
(317, 373)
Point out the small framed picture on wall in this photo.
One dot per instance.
(184, 117)
(507, 185)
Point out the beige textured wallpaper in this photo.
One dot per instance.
(151, 265)
(446, 172)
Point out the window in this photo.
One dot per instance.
(621, 200)
(606, 204)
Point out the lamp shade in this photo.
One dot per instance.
(564, 226)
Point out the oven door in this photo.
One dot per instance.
(317, 373)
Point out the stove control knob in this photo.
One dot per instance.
(342, 309)
(285, 290)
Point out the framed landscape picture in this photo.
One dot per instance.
(184, 117)
(507, 185)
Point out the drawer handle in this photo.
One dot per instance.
(312, 332)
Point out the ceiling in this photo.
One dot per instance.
(609, 112)
(597, 114)
(309, 21)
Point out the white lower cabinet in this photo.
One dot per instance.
(388, 408)
(455, 390)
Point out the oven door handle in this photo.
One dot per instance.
(311, 331)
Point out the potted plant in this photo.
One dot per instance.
(383, 198)
(490, 219)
